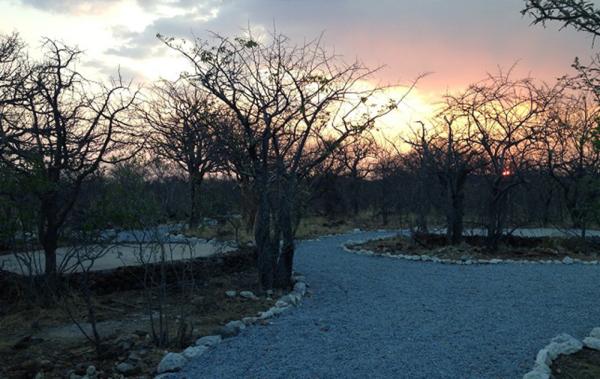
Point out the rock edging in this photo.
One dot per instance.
(173, 362)
(467, 261)
(563, 344)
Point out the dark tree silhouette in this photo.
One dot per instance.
(183, 121)
(59, 134)
(294, 105)
(579, 14)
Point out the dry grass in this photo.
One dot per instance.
(584, 364)
(308, 228)
(34, 338)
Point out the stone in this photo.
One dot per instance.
(300, 278)
(543, 368)
(535, 374)
(563, 344)
(291, 298)
(208, 341)
(592, 343)
(595, 333)
(568, 260)
(300, 287)
(249, 320)
(248, 295)
(126, 368)
(231, 293)
(295, 297)
(167, 375)
(267, 314)
(91, 372)
(278, 310)
(194, 351)
(134, 357)
(543, 357)
(269, 293)
(40, 375)
(171, 362)
(126, 343)
(281, 304)
(232, 328)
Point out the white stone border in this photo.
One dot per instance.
(563, 344)
(173, 362)
(428, 258)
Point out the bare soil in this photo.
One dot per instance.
(38, 338)
(474, 247)
(584, 364)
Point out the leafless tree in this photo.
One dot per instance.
(503, 118)
(65, 128)
(420, 161)
(579, 14)
(356, 157)
(571, 158)
(286, 99)
(13, 70)
(385, 170)
(455, 159)
(182, 120)
(582, 15)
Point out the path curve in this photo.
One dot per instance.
(385, 318)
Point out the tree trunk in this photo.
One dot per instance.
(283, 273)
(455, 219)
(455, 189)
(195, 182)
(496, 220)
(248, 206)
(354, 194)
(262, 235)
(48, 234)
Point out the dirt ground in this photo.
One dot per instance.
(584, 364)
(36, 338)
(473, 247)
(309, 227)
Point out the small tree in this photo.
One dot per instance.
(420, 162)
(385, 172)
(61, 132)
(571, 158)
(356, 157)
(293, 105)
(503, 119)
(182, 120)
(455, 159)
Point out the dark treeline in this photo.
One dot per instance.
(270, 132)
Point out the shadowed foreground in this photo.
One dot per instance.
(378, 317)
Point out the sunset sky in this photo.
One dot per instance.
(458, 41)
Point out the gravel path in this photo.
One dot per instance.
(381, 318)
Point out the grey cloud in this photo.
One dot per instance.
(145, 43)
(57, 6)
(457, 38)
(68, 5)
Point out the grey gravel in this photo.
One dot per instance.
(377, 317)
